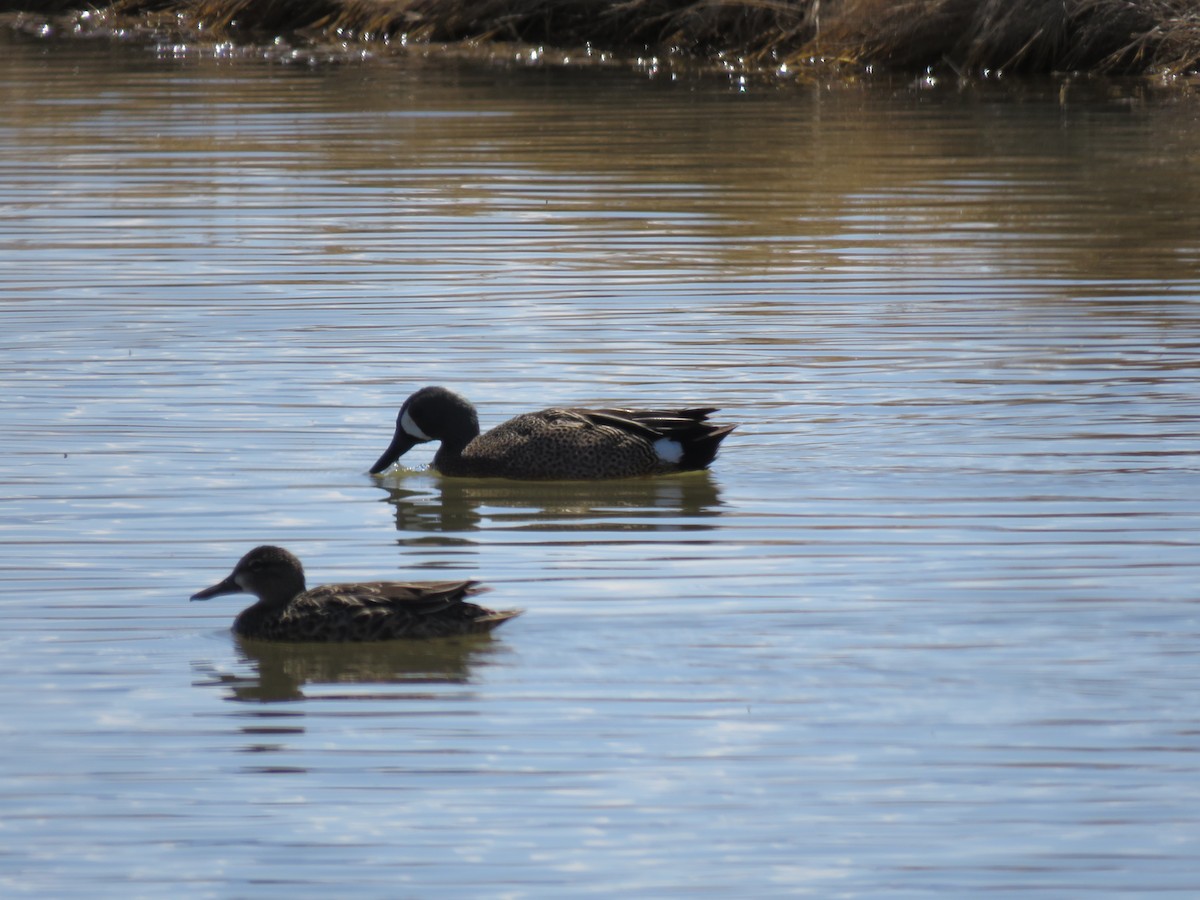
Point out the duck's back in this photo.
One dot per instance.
(557, 444)
(374, 611)
(590, 444)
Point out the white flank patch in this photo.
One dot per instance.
(668, 450)
(411, 429)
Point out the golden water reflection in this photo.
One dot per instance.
(850, 168)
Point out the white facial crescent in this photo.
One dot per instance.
(409, 427)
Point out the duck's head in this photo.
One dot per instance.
(269, 573)
(431, 414)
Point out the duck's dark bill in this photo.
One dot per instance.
(228, 586)
(400, 445)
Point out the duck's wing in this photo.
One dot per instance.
(621, 419)
(383, 610)
(414, 597)
(691, 437)
(656, 423)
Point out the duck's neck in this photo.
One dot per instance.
(449, 463)
(456, 437)
(250, 621)
(254, 618)
(274, 596)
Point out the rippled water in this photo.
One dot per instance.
(928, 627)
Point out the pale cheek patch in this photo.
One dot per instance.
(410, 428)
(668, 451)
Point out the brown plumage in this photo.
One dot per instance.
(366, 611)
(555, 443)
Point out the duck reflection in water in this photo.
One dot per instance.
(427, 502)
(283, 670)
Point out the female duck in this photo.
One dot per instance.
(369, 611)
(557, 443)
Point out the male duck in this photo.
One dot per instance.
(555, 443)
(369, 611)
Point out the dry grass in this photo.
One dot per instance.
(1129, 36)
(968, 36)
(1163, 35)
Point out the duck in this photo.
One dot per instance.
(565, 443)
(364, 611)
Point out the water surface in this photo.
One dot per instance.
(928, 627)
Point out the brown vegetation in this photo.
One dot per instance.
(967, 36)
(1127, 36)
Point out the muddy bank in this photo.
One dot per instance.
(966, 37)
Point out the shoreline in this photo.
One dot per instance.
(787, 40)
